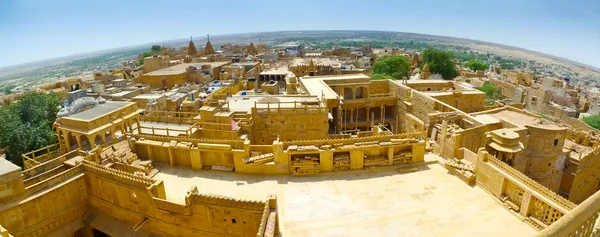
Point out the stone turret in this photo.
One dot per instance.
(208, 50)
(192, 49)
(251, 49)
(425, 72)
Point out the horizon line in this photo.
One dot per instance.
(571, 61)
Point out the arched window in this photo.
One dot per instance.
(348, 95)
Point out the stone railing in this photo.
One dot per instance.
(233, 143)
(154, 130)
(578, 222)
(117, 175)
(49, 164)
(352, 139)
(33, 158)
(170, 117)
(220, 200)
(382, 95)
(263, 221)
(532, 183)
(59, 178)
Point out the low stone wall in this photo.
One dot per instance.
(529, 200)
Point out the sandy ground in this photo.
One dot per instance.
(429, 202)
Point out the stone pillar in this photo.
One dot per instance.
(326, 159)
(501, 188)
(67, 138)
(139, 128)
(171, 157)
(149, 147)
(357, 159)
(526, 204)
(196, 158)
(418, 152)
(92, 141)
(78, 138)
(443, 136)
(390, 155)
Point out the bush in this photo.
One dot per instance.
(440, 62)
(476, 65)
(491, 93)
(593, 120)
(27, 124)
(395, 67)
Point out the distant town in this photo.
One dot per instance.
(341, 133)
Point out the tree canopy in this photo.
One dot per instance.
(27, 124)
(593, 120)
(440, 62)
(155, 48)
(475, 65)
(144, 55)
(491, 93)
(394, 67)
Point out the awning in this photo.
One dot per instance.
(513, 149)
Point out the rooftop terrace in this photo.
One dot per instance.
(182, 67)
(429, 202)
(99, 110)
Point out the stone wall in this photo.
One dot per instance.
(468, 102)
(41, 214)
(585, 181)
(199, 215)
(309, 123)
(524, 197)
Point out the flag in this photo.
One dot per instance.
(234, 125)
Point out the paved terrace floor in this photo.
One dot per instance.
(429, 202)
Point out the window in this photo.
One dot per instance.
(549, 164)
(233, 221)
(555, 142)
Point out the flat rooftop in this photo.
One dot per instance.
(182, 67)
(522, 120)
(429, 202)
(7, 166)
(148, 96)
(316, 61)
(318, 88)
(99, 110)
(276, 71)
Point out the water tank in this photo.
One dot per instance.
(243, 92)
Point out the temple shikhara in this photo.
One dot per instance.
(249, 140)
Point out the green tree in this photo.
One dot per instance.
(440, 62)
(144, 55)
(394, 66)
(593, 120)
(155, 48)
(476, 65)
(27, 124)
(491, 93)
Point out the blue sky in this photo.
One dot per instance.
(36, 30)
